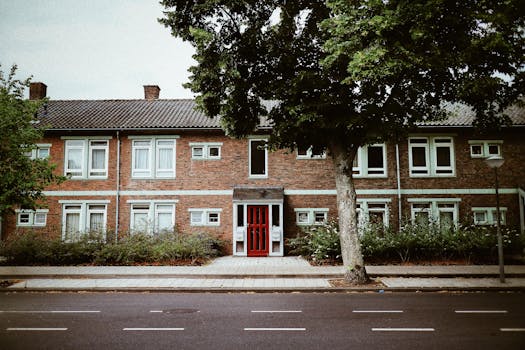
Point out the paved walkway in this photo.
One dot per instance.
(256, 274)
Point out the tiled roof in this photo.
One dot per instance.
(179, 114)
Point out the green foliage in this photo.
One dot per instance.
(34, 249)
(22, 180)
(413, 243)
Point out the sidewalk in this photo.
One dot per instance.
(228, 274)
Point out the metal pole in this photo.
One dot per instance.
(498, 231)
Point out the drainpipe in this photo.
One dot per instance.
(400, 211)
(117, 199)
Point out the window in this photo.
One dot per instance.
(31, 218)
(205, 150)
(431, 156)
(205, 217)
(152, 217)
(80, 218)
(439, 211)
(153, 158)
(487, 216)
(373, 212)
(311, 216)
(86, 159)
(370, 161)
(40, 151)
(484, 149)
(258, 158)
(308, 153)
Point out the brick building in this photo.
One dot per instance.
(155, 164)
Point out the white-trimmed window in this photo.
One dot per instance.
(86, 158)
(308, 153)
(488, 215)
(258, 161)
(31, 218)
(431, 156)
(370, 161)
(485, 148)
(372, 211)
(153, 158)
(39, 151)
(311, 216)
(441, 211)
(206, 150)
(205, 216)
(80, 218)
(152, 217)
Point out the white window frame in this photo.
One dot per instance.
(257, 176)
(87, 146)
(434, 208)
(152, 212)
(35, 152)
(153, 170)
(205, 216)
(362, 170)
(485, 146)
(309, 154)
(490, 214)
(206, 149)
(32, 214)
(431, 168)
(84, 212)
(365, 206)
(310, 214)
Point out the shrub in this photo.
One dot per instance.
(33, 249)
(319, 243)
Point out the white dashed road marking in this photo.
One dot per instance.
(50, 311)
(152, 329)
(277, 311)
(512, 329)
(36, 329)
(481, 311)
(403, 329)
(378, 311)
(275, 329)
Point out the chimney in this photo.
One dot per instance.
(151, 92)
(37, 91)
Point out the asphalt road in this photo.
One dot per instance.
(262, 321)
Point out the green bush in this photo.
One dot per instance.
(33, 249)
(380, 245)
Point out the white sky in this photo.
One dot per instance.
(93, 49)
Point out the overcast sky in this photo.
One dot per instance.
(93, 49)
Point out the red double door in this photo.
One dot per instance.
(258, 230)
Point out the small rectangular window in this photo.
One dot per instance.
(240, 215)
(303, 217)
(197, 152)
(476, 150)
(201, 150)
(276, 217)
(319, 217)
(484, 148)
(214, 152)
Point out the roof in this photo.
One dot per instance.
(180, 114)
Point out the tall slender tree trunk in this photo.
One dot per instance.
(355, 272)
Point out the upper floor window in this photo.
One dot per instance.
(484, 149)
(201, 150)
(258, 161)
(153, 158)
(308, 153)
(440, 211)
(370, 161)
(311, 216)
(431, 156)
(40, 151)
(80, 218)
(86, 159)
(152, 217)
(205, 217)
(31, 218)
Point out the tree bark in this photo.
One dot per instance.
(355, 272)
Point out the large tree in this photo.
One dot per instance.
(22, 179)
(341, 74)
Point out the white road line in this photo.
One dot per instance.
(277, 311)
(36, 329)
(275, 329)
(155, 311)
(512, 329)
(378, 311)
(152, 329)
(403, 329)
(50, 312)
(481, 311)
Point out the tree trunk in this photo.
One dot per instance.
(355, 272)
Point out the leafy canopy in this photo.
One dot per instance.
(351, 71)
(22, 179)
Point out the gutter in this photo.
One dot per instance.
(117, 197)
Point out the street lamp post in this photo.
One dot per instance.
(495, 162)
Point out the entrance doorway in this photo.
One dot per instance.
(258, 230)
